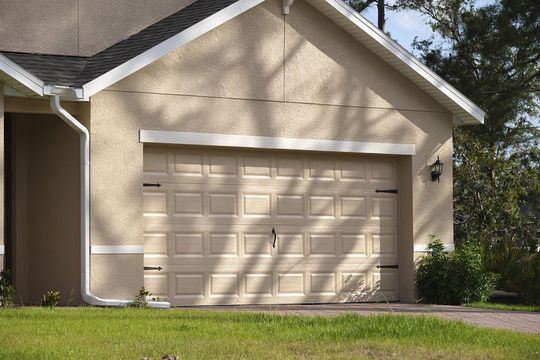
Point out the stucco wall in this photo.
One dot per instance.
(46, 187)
(1, 175)
(75, 27)
(265, 74)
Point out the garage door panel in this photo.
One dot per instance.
(190, 241)
(270, 203)
(207, 288)
(210, 226)
(187, 164)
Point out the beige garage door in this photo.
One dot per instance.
(210, 226)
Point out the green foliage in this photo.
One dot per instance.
(50, 299)
(529, 279)
(492, 55)
(103, 333)
(453, 279)
(142, 298)
(6, 289)
(504, 307)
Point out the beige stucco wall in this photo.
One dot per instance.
(76, 27)
(265, 74)
(1, 174)
(46, 187)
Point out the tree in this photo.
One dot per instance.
(361, 5)
(492, 55)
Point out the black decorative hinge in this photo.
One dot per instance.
(148, 268)
(387, 266)
(392, 191)
(151, 185)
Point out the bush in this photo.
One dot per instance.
(453, 279)
(6, 289)
(529, 280)
(141, 299)
(50, 299)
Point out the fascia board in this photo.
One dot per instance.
(21, 75)
(383, 42)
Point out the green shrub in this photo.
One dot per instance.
(50, 299)
(529, 280)
(6, 289)
(141, 299)
(453, 279)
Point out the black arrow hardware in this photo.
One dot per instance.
(151, 185)
(392, 191)
(275, 237)
(148, 268)
(387, 266)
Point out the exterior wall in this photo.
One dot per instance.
(1, 176)
(46, 187)
(265, 74)
(75, 27)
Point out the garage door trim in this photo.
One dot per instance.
(276, 143)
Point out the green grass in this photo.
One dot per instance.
(506, 307)
(93, 333)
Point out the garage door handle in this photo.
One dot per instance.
(391, 191)
(387, 266)
(275, 237)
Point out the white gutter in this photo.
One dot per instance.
(21, 75)
(86, 294)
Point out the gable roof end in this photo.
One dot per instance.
(402, 60)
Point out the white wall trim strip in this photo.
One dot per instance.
(2, 249)
(167, 46)
(423, 247)
(276, 143)
(117, 249)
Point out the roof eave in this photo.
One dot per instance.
(402, 60)
(19, 78)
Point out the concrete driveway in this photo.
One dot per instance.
(511, 320)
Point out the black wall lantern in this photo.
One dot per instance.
(436, 170)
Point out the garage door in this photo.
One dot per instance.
(245, 226)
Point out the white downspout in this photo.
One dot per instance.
(86, 294)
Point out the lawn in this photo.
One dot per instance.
(506, 307)
(94, 333)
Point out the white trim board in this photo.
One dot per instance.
(116, 249)
(424, 248)
(2, 249)
(275, 143)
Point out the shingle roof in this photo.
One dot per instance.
(76, 71)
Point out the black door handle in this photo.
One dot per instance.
(275, 237)
(393, 266)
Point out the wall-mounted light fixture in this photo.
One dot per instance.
(436, 170)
